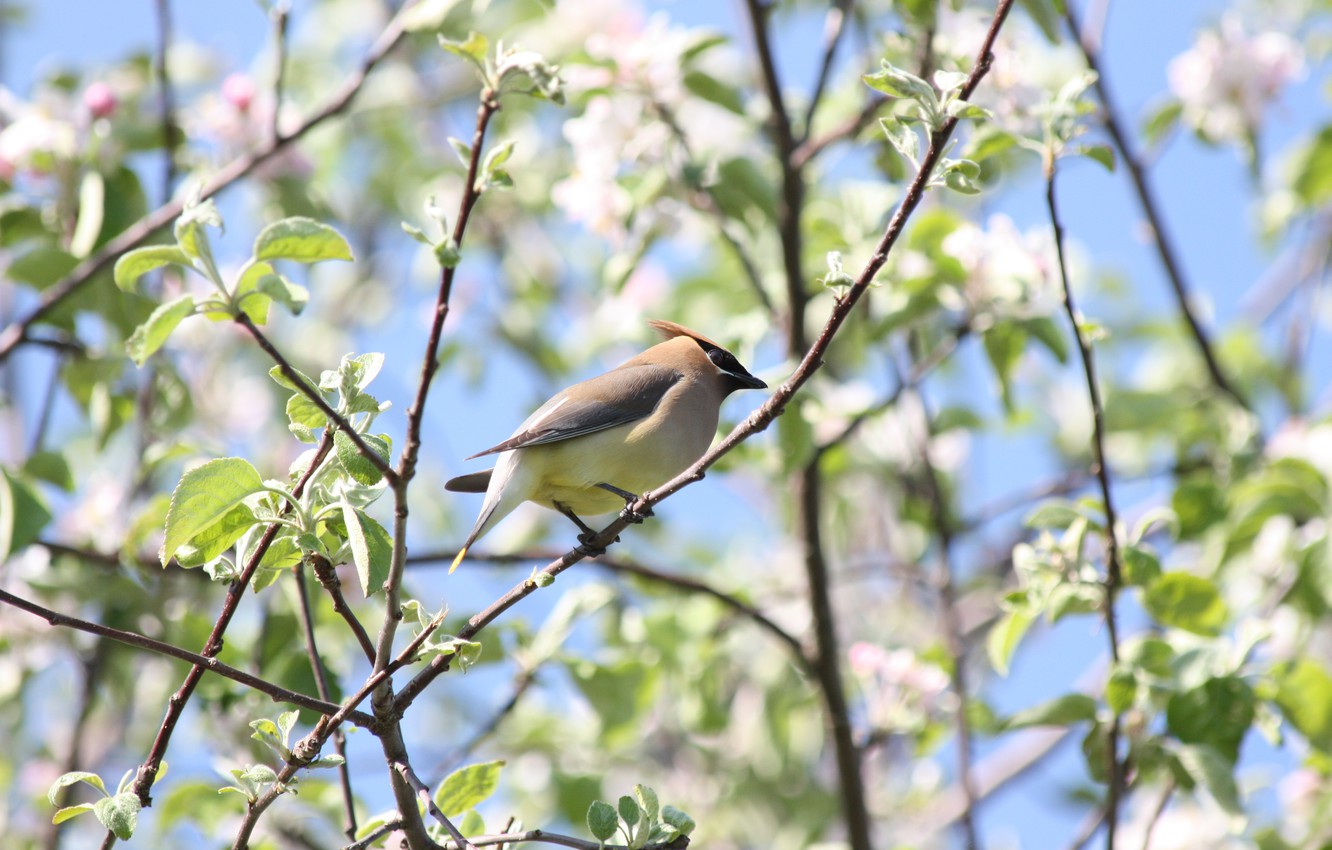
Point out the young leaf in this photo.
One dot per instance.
(301, 239)
(68, 812)
(151, 335)
(358, 466)
(204, 497)
(371, 547)
(647, 799)
(467, 787)
(1304, 694)
(629, 811)
(135, 264)
(677, 820)
(120, 814)
(602, 821)
(70, 778)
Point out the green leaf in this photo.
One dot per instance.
(120, 814)
(1219, 713)
(65, 780)
(1304, 695)
(1161, 121)
(1141, 566)
(629, 811)
(602, 821)
(1047, 332)
(151, 335)
(1043, 13)
(1188, 602)
(51, 467)
(1313, 170)
(1004, 344)
(303, 417)
(358, 466)
(467, 787)
(291, 295)
(190, 234)
(204, 497)
(217, 538)
(1208, 768)
(677, 820)
(68, 812)
(1104, 155)
(1061, 711)
(647, 800)
(302, 240)
(474, 48)
(23, 515)
(1121, 690)
(1004, 637)
(371, 547)
(472, 824)
(713, 90)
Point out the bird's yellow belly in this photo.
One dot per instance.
(628, 457)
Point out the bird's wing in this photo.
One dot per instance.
(622, 395)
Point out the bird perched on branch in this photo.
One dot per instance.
(598, 444)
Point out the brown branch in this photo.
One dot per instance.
(1165, 248)
(541, 836)
(1113, 579)
(489, 105)
(423, 795)
(328, 579)
(281, 15)
(85, 272)
(810, 148)
(276, 692)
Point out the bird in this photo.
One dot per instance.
(596, 445)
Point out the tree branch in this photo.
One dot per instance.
(1113, 579)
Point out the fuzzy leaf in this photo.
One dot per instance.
(153, 333)
(301, 239)
(204, 497)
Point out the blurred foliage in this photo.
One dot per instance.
(630, 174)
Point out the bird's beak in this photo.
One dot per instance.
(744, 380)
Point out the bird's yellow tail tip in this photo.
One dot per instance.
(462, 553)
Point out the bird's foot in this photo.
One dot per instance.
(585, 544)
(628, 514)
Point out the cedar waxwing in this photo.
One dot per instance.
(598, 444)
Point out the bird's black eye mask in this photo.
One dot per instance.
(739, 377)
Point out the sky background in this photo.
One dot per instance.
(1204, 192)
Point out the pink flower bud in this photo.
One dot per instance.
(99, 100)
(238, 90)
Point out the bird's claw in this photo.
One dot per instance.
(633, 516)
(586, 546)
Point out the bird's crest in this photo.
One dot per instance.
(669, 330)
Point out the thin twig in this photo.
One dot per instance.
(204, 662)
(952, 629)
(317, 398)
(281, 15)
(792, 199)
(834, 24)
(849, 128)
(328, 579)
(486, 109)
(428, 801)
(541, 836)
(1165, 248)
(166, 98)
(1113, 579)
(16, 333)
(321, 683)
